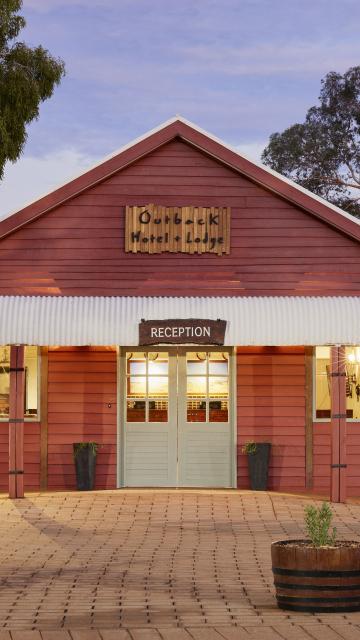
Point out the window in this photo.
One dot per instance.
(352, 369)
(207, 387)
(147, 387)
(31, 381)
(322, 382)
(322, 377)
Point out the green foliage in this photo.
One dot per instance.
(317, 524)
(28, 76)
(323, 153)
(79, 446)
(249, 448)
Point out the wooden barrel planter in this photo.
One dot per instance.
(322, 579)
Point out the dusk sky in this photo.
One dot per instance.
(240, 69)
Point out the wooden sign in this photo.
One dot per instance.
(189, 331)
(156, 229)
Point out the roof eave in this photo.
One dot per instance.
(207, 143)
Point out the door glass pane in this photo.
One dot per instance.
(196, 385)
(158, 411)
(218, 387)
(196, 410)
(136, 363)
(208, 391)
(136, 387)
(158, 364)
(196, 363)
(218, 411)
(135, 411)
(158, 386)
(218, 364)
(147, 387)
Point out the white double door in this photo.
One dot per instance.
(177, 426)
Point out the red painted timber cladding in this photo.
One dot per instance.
(31, 456)
(276, 248)
(322, 458)
(271, 408)
(82, 383)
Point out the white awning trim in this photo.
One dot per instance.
(77, 320)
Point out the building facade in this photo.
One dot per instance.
(113, 290)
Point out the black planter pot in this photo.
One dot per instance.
(259, 466)
(85, 461)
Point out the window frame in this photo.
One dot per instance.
(36, 418)
(148, 397)
(325, 420)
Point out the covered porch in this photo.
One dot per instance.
(271, 391)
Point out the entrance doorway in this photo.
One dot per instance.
(177, 418)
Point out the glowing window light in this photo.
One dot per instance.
(354, 356)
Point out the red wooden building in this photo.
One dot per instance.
(178, 226)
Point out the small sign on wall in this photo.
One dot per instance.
(189, 331)
(156, 229)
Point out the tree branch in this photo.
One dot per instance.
(352, 172)
(336, 181)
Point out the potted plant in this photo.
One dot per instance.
(258, 454)
(85, 461)
(319, 573)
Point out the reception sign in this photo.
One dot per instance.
(156, 229)
(189, 331)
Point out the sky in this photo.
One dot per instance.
(241, 69)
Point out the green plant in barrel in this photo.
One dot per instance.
(319, 573)
(318, 523)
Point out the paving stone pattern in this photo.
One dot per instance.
(152, 565)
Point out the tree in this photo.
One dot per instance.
(28, 76)
(323, 153)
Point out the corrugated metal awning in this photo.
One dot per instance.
(75, 321)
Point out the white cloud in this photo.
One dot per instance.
(45, 6)
(273, 57)
(32, 177)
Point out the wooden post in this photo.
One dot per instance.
(44, 420)
(16, 422)
(309, 353)
(342, 425)
(338, 485)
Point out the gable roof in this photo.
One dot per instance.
(178, 127)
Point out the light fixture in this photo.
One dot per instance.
(354, 356)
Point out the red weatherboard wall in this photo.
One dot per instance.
(31, 456)
(276, 248)
(271, 408)
(81, 385)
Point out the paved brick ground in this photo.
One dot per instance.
(176, 565)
